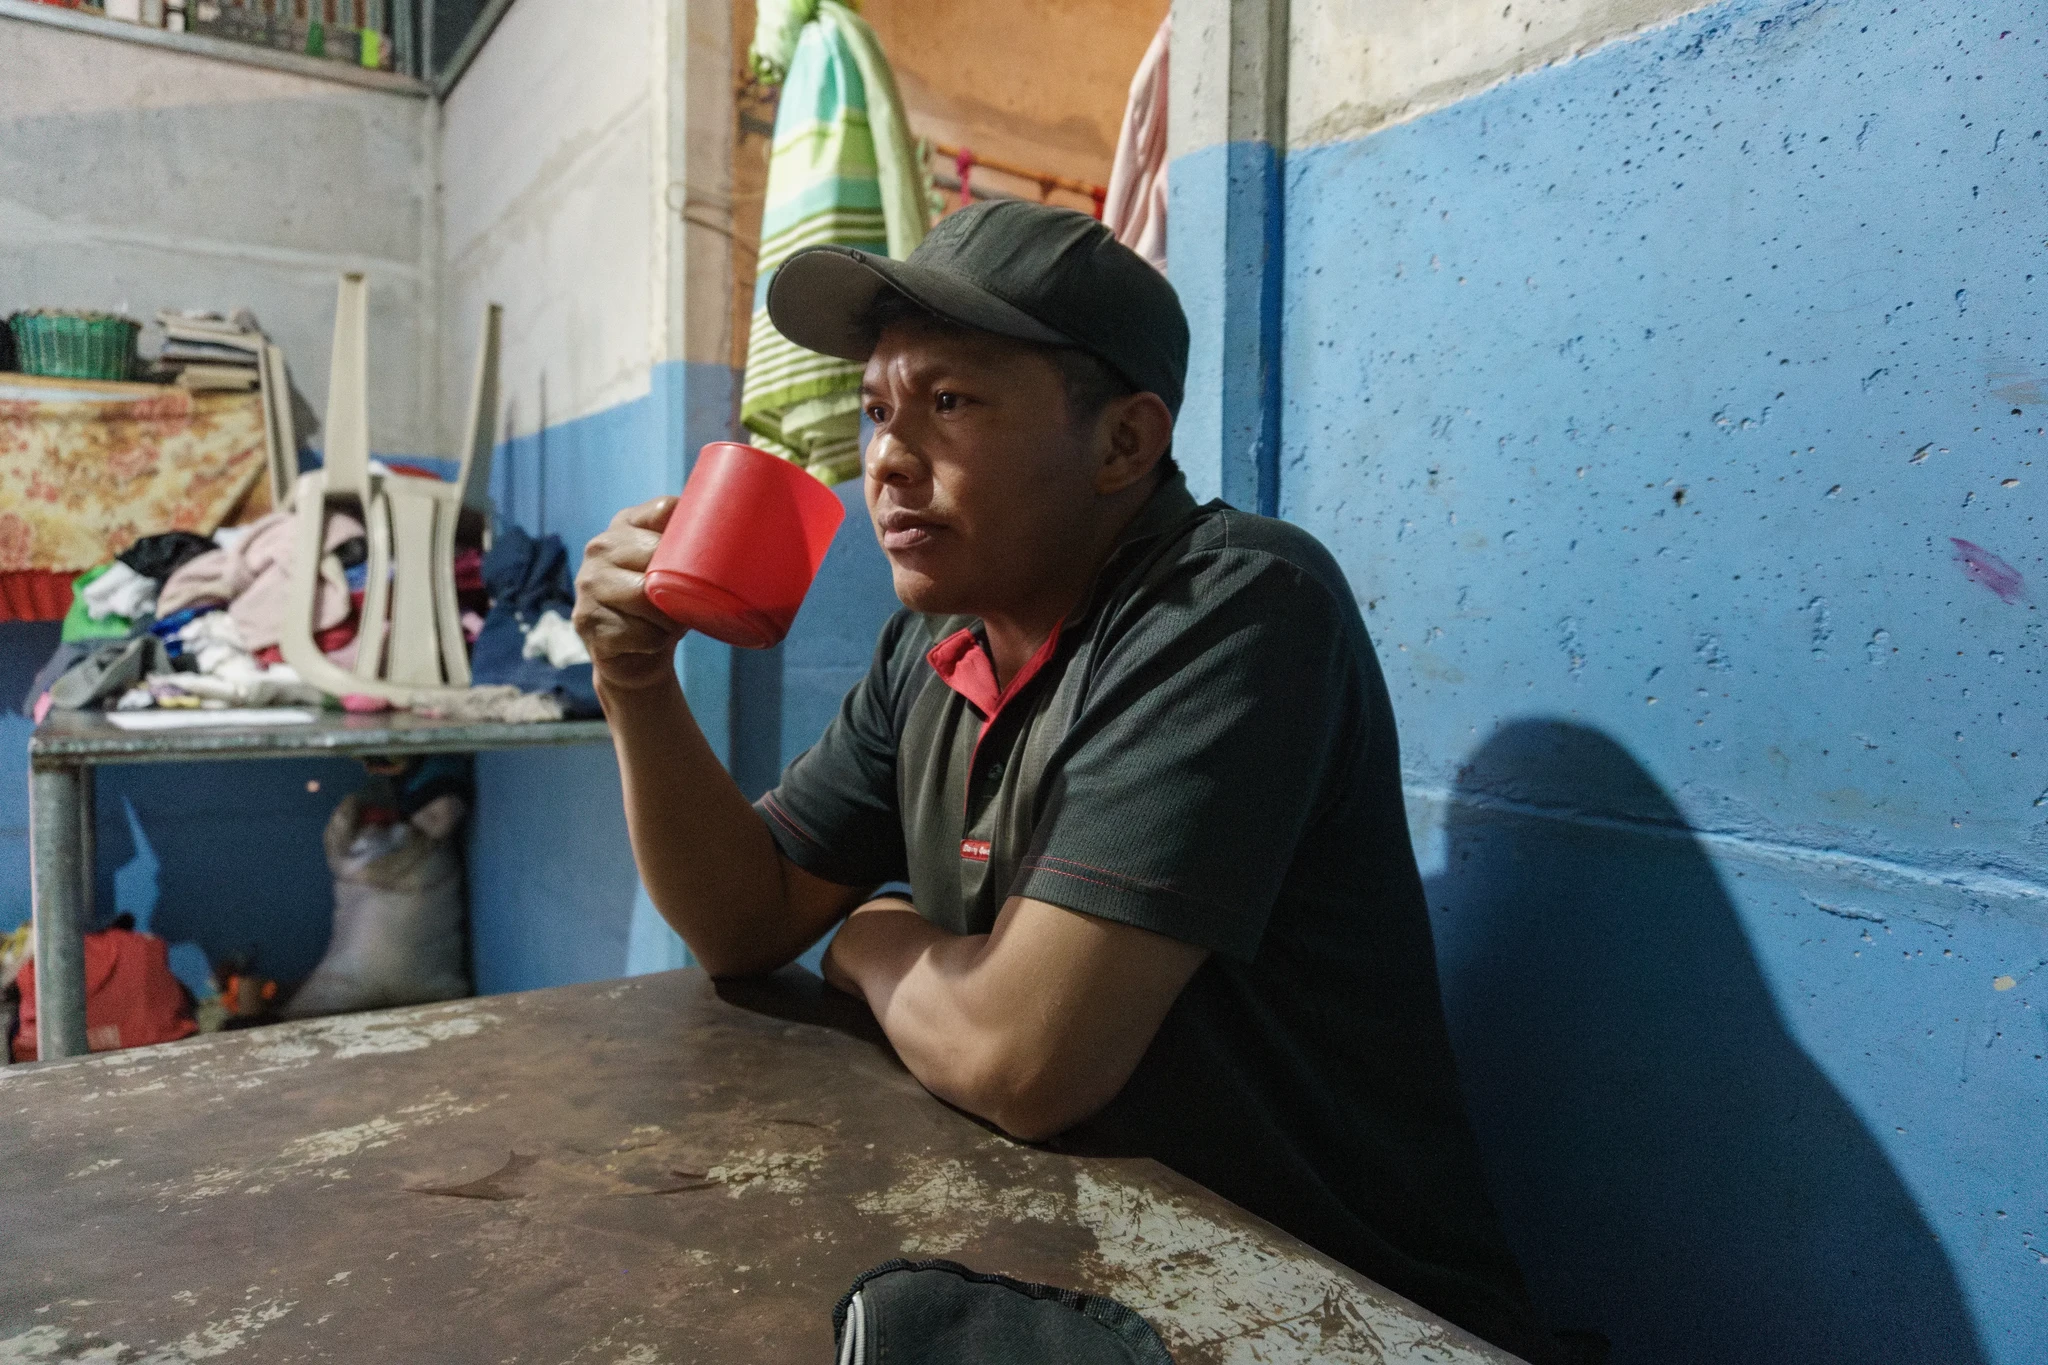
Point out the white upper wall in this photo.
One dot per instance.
(550, 207)
(1358, 65)
(134, 178)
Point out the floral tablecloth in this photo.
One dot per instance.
(86, 469)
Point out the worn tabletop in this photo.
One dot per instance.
(652, 1170)
(67, 738)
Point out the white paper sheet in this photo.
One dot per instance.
(182, 718)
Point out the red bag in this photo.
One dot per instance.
(131, 998)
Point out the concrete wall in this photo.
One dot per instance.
(585, 159)
(547, 161)
(548, 186)
(136, 178)
(1355, 67)
(1675, 411)
(1041, 85)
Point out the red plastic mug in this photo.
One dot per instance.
(742, 545)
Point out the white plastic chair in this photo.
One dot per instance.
(409, 638)
(280, 438)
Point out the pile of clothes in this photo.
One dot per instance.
(183, 620)
(527, 642)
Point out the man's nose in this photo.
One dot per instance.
(890, 460)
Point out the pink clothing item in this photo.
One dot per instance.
(219, 575)
(253, 579)
(1135, 208)
(203, 578)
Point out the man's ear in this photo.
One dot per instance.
(1132, 434)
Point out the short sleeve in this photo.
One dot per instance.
(835, 813)
(1210, 733)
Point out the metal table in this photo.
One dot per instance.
(652, 1170)
(67, 746)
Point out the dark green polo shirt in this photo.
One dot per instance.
(1204, 749)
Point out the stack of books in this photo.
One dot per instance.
(209, 353)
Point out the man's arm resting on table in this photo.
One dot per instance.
(1033, 1026)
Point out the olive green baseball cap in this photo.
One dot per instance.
(1008, 266)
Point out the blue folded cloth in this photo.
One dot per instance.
(167, 629)
(528, 577)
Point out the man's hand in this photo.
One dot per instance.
(1033, 1026)
(632, 643)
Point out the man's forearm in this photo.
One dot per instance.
(704, 856)
(911, 973)
(1033, 1026)
(969, 1038)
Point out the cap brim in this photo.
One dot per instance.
(820, 295)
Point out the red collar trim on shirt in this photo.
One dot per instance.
(964, 665)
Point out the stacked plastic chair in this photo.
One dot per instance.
(410, 648)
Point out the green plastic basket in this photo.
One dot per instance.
(69, 345)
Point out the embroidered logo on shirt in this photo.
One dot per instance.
(977, 849)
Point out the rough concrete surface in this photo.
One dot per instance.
(548, 198)
(1675, 413)
(136, 178)
(1362, 64)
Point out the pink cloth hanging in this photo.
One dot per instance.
(963, 167)
(1135, 208)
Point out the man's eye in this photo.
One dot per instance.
(947, 400)
(877, 413)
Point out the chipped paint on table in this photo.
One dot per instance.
(640, 1171)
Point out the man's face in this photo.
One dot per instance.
(977, 483)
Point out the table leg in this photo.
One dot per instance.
(60, 877)
(88, 848)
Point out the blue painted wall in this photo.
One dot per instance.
(1678, 414)
(554, 897)
(1226, 248)
(220, 859)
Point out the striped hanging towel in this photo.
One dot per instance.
(842, 171)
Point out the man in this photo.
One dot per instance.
(1134, 758)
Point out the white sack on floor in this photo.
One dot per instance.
(397, 913)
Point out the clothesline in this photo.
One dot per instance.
(965, 159)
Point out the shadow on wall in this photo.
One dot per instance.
(1673, 1169)
(224, 855)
